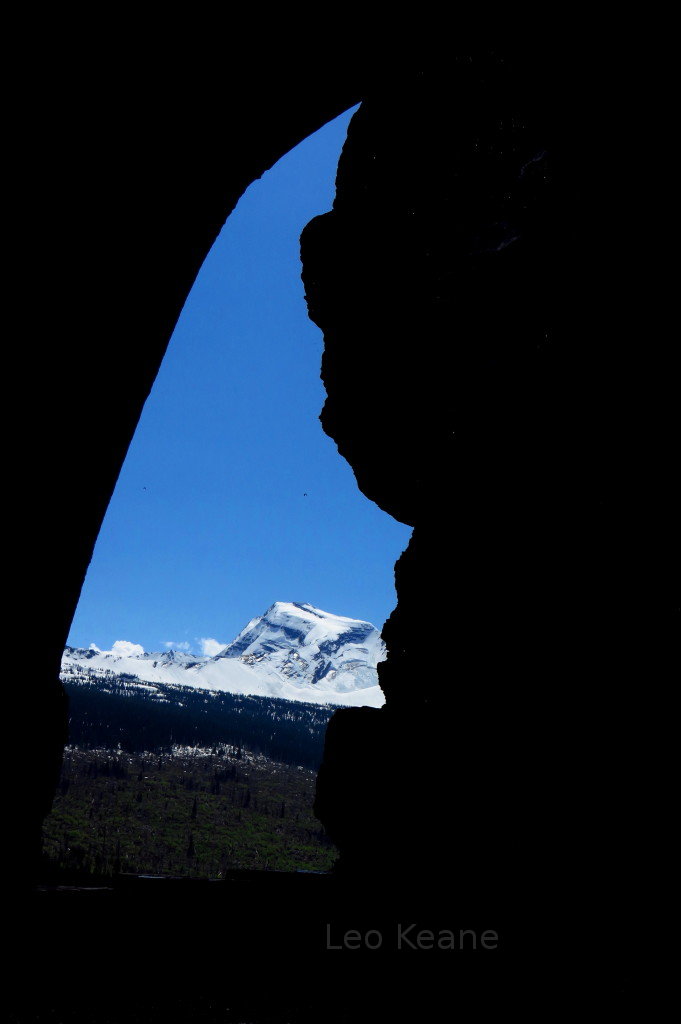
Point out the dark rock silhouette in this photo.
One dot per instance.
(498, 378)
(479, 395)
(438, 272)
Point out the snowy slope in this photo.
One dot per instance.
(293, 651)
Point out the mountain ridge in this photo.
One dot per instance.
(293, 651)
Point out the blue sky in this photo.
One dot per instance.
(231, 496)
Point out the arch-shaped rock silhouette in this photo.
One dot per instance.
(517, 406)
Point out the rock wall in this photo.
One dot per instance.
(498, 375)
(485, 389)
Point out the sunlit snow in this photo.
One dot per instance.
(293, 651)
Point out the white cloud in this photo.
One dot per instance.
(210, 647)
(172, 645)
(126, 649)
(94, 647)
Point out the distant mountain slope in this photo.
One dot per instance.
(293, 651)
(115, 712)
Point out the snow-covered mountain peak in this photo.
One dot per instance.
(295, 651)
(289, 625)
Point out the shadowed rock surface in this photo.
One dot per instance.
(529, 443)
(518, 407)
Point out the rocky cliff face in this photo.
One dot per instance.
(460, 264)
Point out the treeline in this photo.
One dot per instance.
(120, 712)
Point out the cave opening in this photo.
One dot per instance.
(233, 512)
